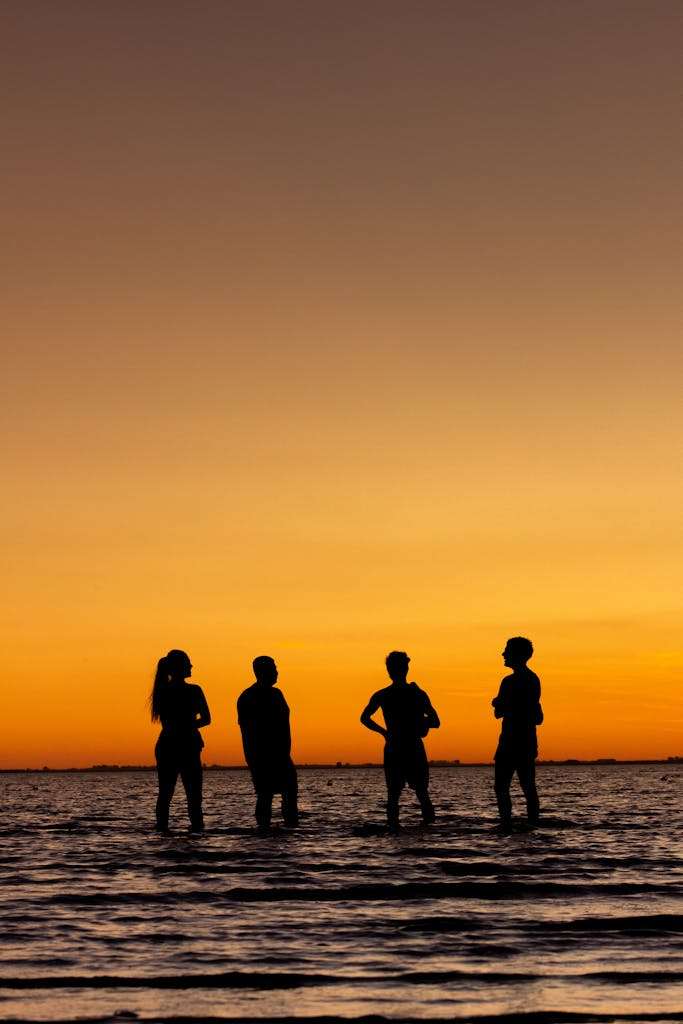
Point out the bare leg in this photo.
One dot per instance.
(428, 813)
(504, 770)
(167, 774)
(290, 810)
(290, 793)
(393, 795)
(264, 808)
(526, 773)
(191, 775)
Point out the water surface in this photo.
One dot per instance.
(577, 920)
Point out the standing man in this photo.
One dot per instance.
(263, 717)
(408, 717)
(519, 705)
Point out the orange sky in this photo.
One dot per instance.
(332, 329)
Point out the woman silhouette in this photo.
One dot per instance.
(182, 710)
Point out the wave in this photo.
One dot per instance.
(375, 892)
(291, 979)
(540, 864)
(655, 924)
(226, 979)
(511, 977)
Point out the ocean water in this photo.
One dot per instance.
(575, 921)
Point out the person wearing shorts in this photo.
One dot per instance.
(518, 703)
(408, 717)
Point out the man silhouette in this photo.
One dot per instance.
(263, 717)
(408, 717)
(519, 705)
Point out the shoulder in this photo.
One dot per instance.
(420, 693)
(246, 696)
(195, 690)
(379, 696)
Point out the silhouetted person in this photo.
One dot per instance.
(263, 716)
(182, 710)
(408, 717)
(519, 705)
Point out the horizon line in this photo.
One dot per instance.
(339, 765)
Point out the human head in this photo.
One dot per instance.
(517, 651)
(265, 670)
(397, 665)
(175, 665)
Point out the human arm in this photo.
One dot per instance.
(498, 703)
(246, 724)
(284, 732)
(371, 708)
(202, 713)
(538, 710)
(430, 719)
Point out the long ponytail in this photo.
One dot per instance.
(160, 680)
(172, 664)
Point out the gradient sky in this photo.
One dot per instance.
(332, 328)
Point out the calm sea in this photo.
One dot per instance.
(576, 921)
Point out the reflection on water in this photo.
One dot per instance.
(101, 915)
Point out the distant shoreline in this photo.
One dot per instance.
(338, 766)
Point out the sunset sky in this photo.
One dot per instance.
(332, 328)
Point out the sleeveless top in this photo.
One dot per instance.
(180, 705)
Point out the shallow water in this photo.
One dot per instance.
(338, 919)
